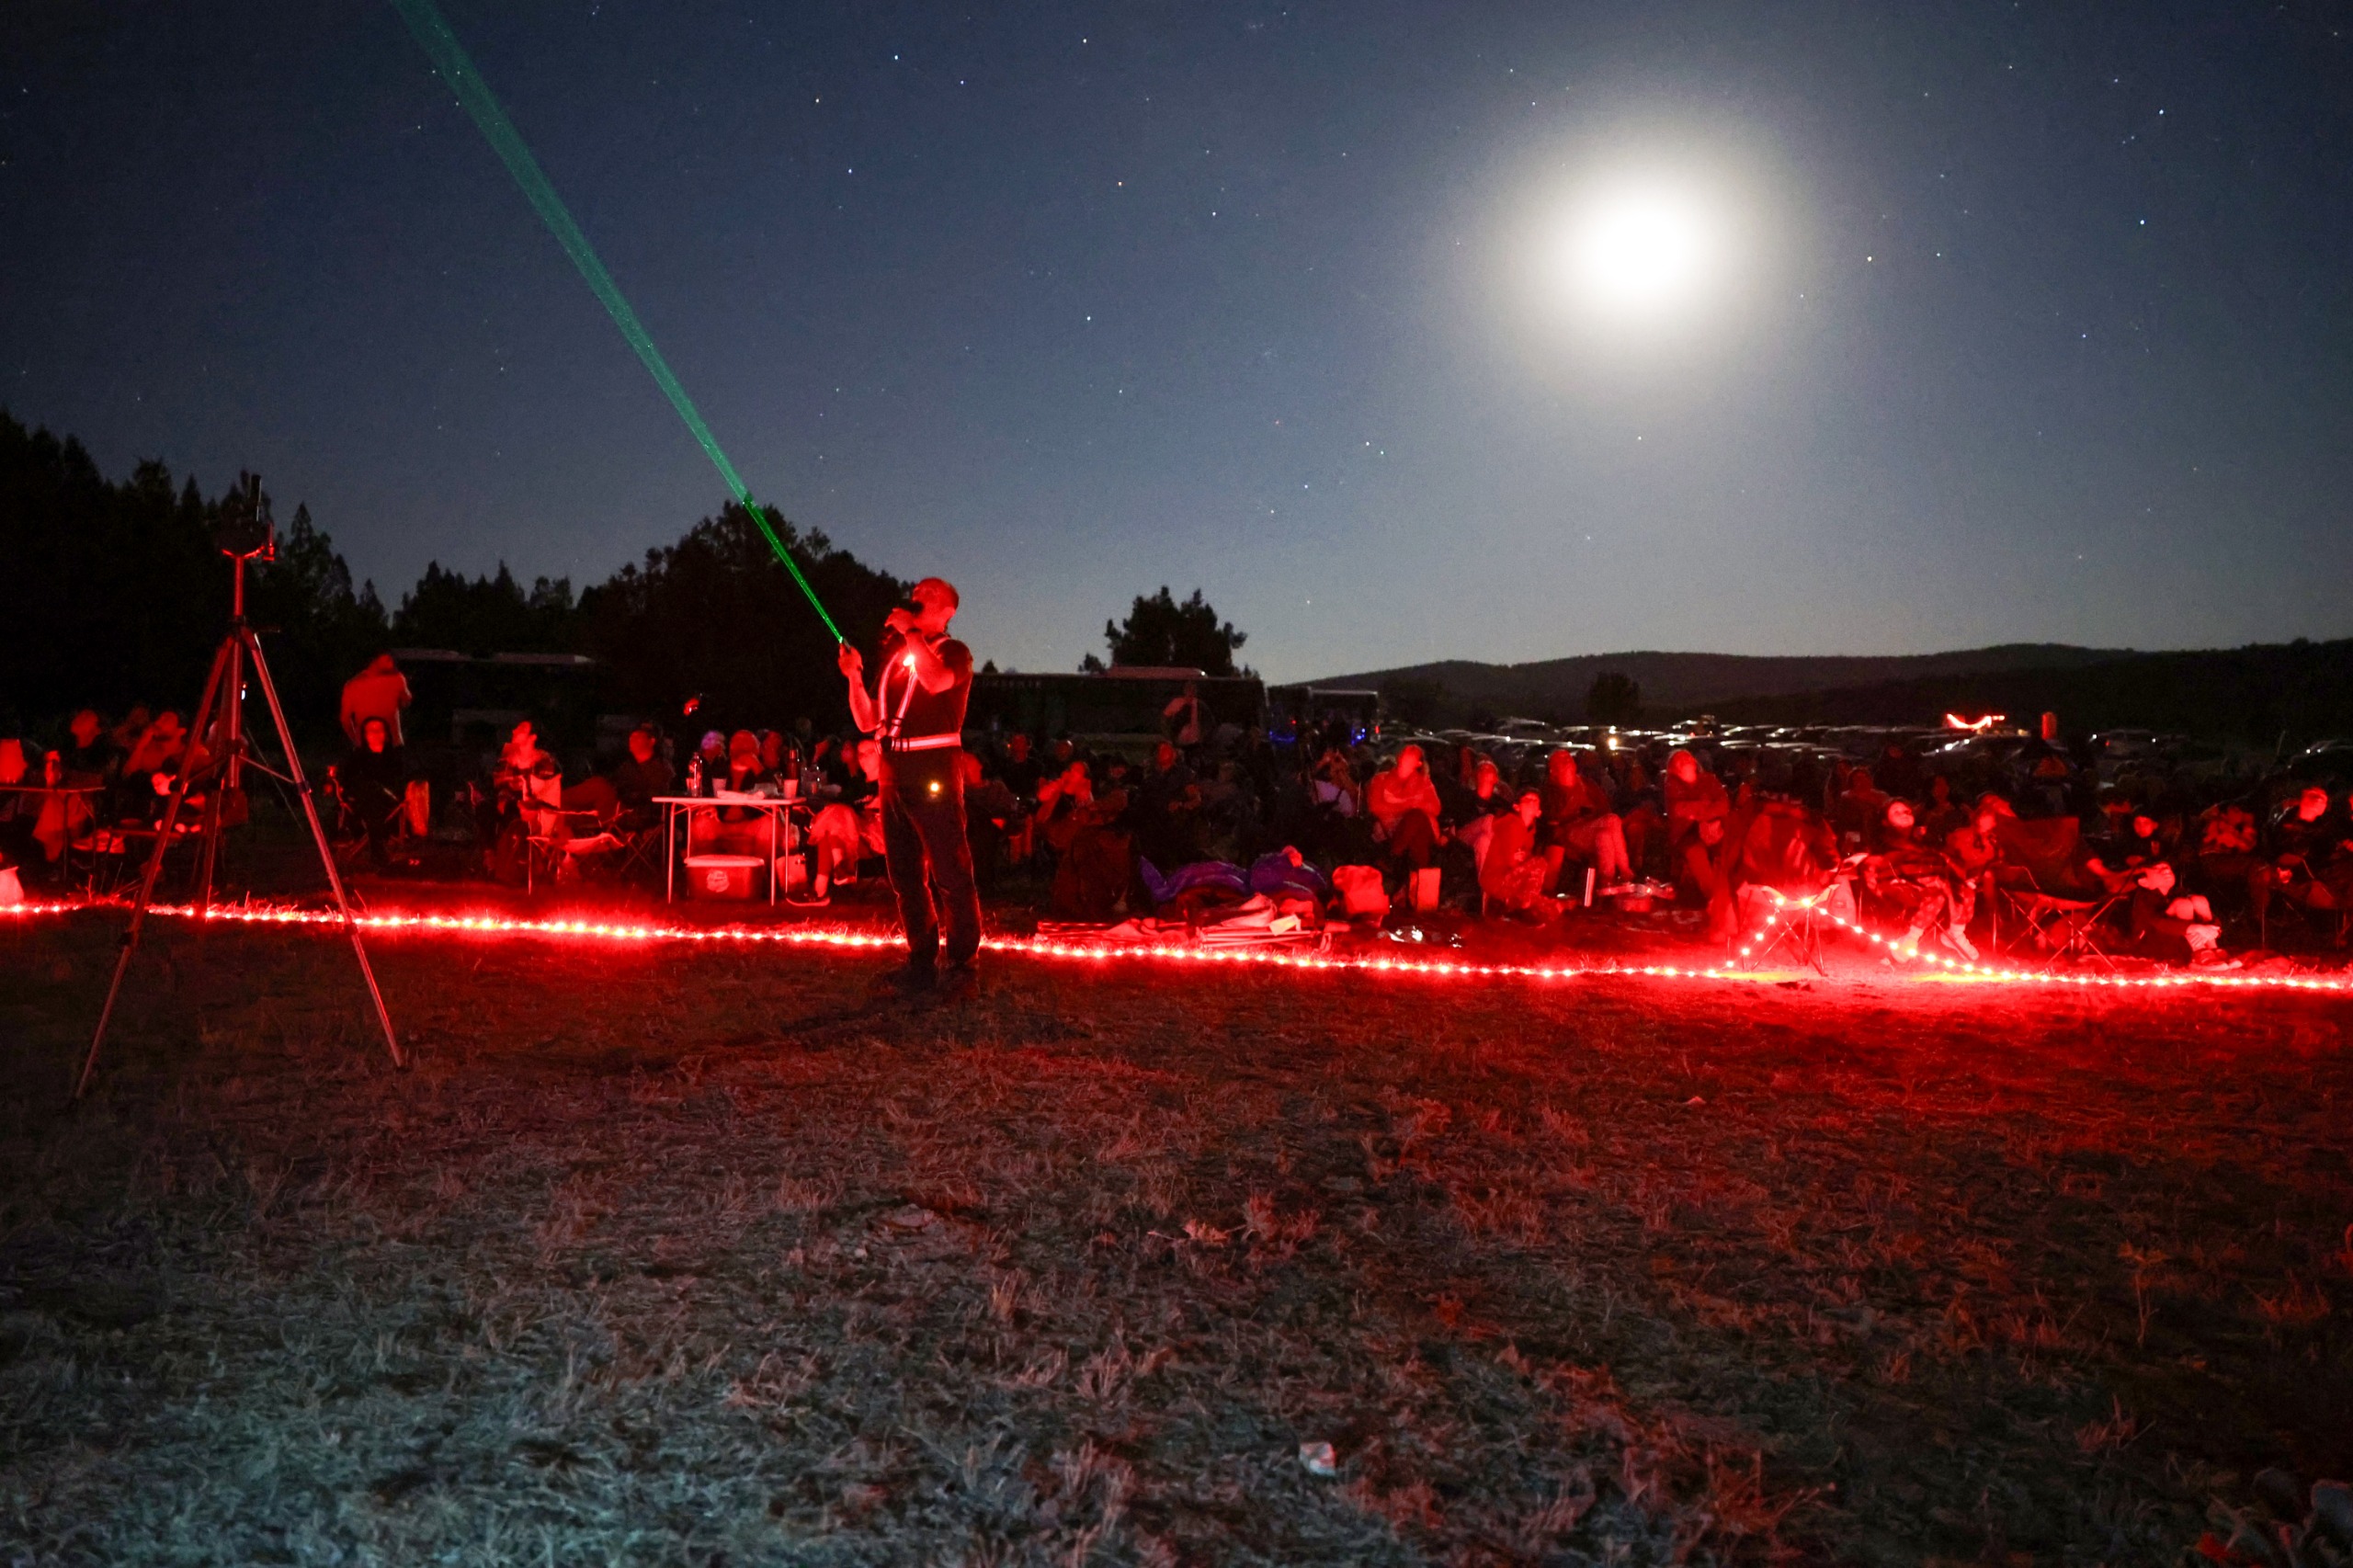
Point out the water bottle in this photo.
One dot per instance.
(694, 774)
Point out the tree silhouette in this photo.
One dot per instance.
(1613, 698)
(487, 615)
(716, 616)
(1161, 632)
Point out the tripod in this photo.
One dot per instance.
(219, 730)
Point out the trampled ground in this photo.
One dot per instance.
(666, 1254)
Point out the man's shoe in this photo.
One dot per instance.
(907, 979)
(958, 983)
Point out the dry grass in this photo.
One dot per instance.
(659, 1258)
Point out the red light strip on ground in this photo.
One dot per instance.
(1941, 968)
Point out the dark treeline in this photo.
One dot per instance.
(113, 594)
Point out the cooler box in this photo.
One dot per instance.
(723, 876)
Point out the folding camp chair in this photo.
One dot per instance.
(2332, 923)
(1794, 930)
(2056, 927)
(108, 859)
(2041, 896)
(561, 838)
(641, 854)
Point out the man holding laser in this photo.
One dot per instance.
(916, 710)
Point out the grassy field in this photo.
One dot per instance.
(671, 1257)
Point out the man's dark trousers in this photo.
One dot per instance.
(930, 860)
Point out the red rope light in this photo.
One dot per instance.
(1939, 968)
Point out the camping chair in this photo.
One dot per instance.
(2050, 910)
(2053, 927)
(350, 836)
(1795, 931)
(110, 859)
(105, 859)
(639, 856)
(2332, 923)
(559, 839)
(1788, 849)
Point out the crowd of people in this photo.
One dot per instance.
(101, 776)
(1937, 851)
(2044, 847)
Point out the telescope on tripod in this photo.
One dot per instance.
(220, 751)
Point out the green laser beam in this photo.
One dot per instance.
(449, 58)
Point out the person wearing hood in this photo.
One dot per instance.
(91, 757)
(379, 691)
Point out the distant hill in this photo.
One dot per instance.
(1682, 683)
(2261, 694)
(2302, 691)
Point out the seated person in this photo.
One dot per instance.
(2227, 840)
(989, 814)
(19, 803)
(1703, 875)
(1475, 818)
(641, 774)
(1973, 850)
(1513, 875)
(709, 764)
(90, 757)
(124, 735)
(2308, 856)
(779, 761)
(518, 756)
(159, 752)
(849, 827)
(1335, 780)
(526, 794)
(1403, 806)
(1579, 828)
(1229, 819)
(61, 813)
(1903, 876)
(1164, 808)
(2118, 860)
(1690, 795)
(1021, 772)
(2166, 924)
(737, 830)
(1095, 856)
(1859, 810)
(1786, 847)
(1695, 836)
(1942, 815)
(1635, 797)
(374, 779)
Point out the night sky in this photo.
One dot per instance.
(2024, 322)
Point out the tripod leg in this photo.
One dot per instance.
(319, 837)
(225, 737)
(213, 685)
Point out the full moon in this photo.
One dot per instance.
(1641, 250)
(1646, 255)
